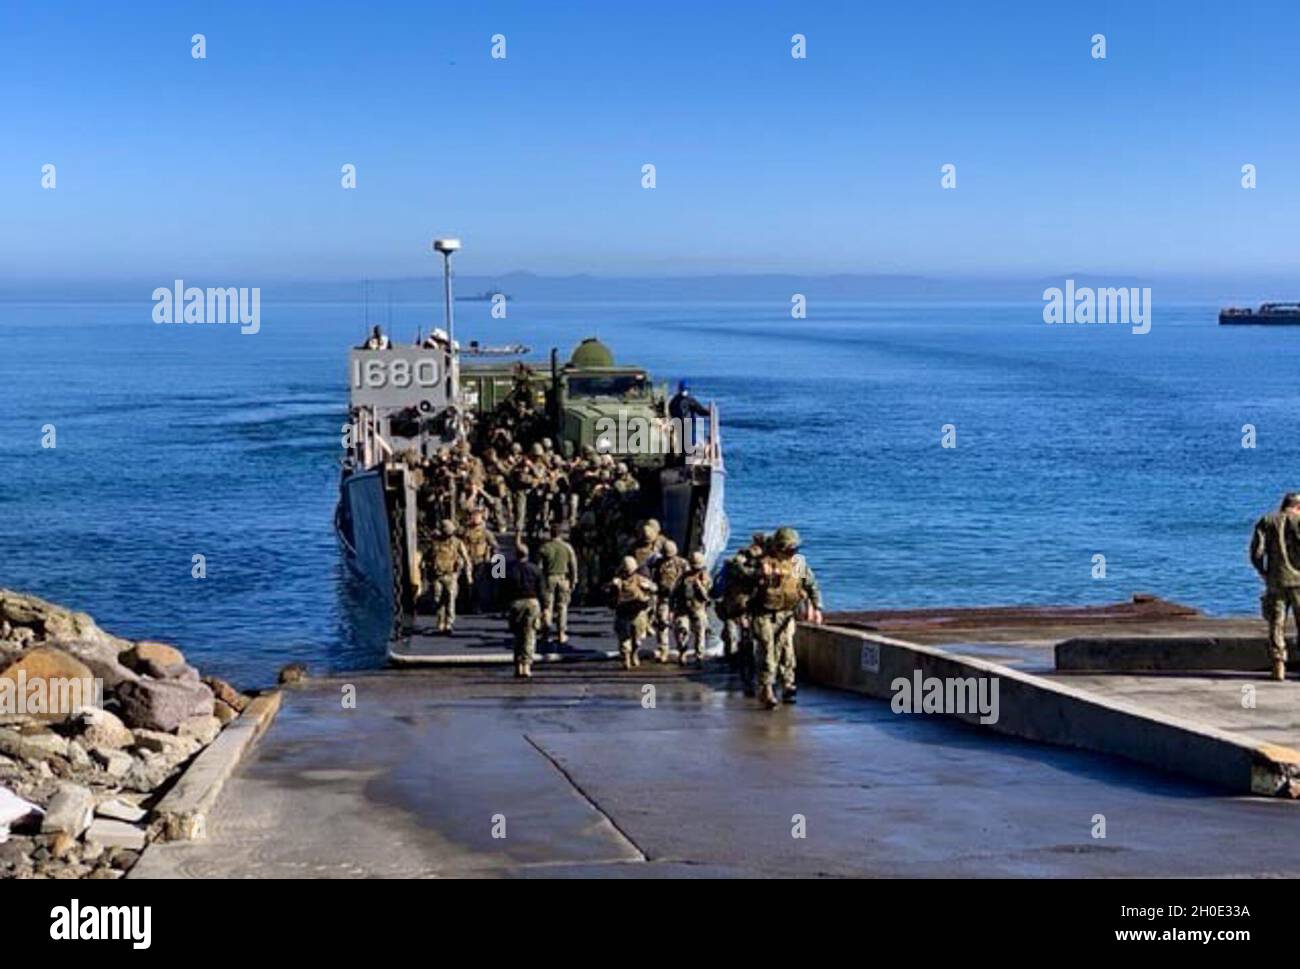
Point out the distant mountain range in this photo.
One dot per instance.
(763, 287)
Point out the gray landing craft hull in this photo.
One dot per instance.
(678, 504)
(363, 529)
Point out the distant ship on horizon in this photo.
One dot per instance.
(1274, 314)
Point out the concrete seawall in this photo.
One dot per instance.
(1038, 709)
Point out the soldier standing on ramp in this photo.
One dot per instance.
(523, 590)
(482, 546)
(668, 571)
(559, 577)
(1275, 554)
(691, 610)
(448, 558)
(731, 602)
(783, 581)
(633, 594)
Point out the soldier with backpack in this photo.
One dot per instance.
(691, 610)
(447, 560)
(731, 602)
(668, 571)
(633, 595)
(783, 582)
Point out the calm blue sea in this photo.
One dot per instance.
(1071, 441)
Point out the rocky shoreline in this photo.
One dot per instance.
(78, 788)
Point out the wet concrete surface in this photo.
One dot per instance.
(586, 782)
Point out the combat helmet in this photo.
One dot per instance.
(670, 548)
(697, 560)
(447, 526)
(536, 451)
(629, 564)
(786, 539)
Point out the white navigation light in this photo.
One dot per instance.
(447, 247)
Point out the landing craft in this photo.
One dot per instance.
(409, 401)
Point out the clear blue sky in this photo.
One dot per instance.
(231, 164)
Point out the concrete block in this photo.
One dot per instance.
(1138, 654)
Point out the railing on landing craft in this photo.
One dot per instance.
(370, 446)
(708, 451)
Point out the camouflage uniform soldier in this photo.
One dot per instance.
(783, 580)
(649, 547)
(559, 577)
(667, 573)
(1275, 554)
(691, 610)
(481, 545)
(448, 558)
(633, 594)
(625, 483)
(497, 492)
(731, 603)
(523, 587)
(525, 479)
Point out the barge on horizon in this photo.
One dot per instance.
(1268, 314)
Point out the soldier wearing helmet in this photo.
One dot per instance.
(526, 477)
(633, 595)
(783, 583)
(447, 560)
(481, 545)
(625, 482)
(667, 572)
(691, 610)
(731, 603)
(649, 545)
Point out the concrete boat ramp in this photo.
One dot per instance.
(590, 771)
(485, 639)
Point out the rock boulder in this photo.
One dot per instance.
(70, 811)
(60, 681)
(103, 729)
(227, 694)
(102, 656)
(162, 704)
(48, 621)
(155, 659)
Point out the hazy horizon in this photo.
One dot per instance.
(764, 288)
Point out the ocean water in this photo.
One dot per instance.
(1072, 442)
